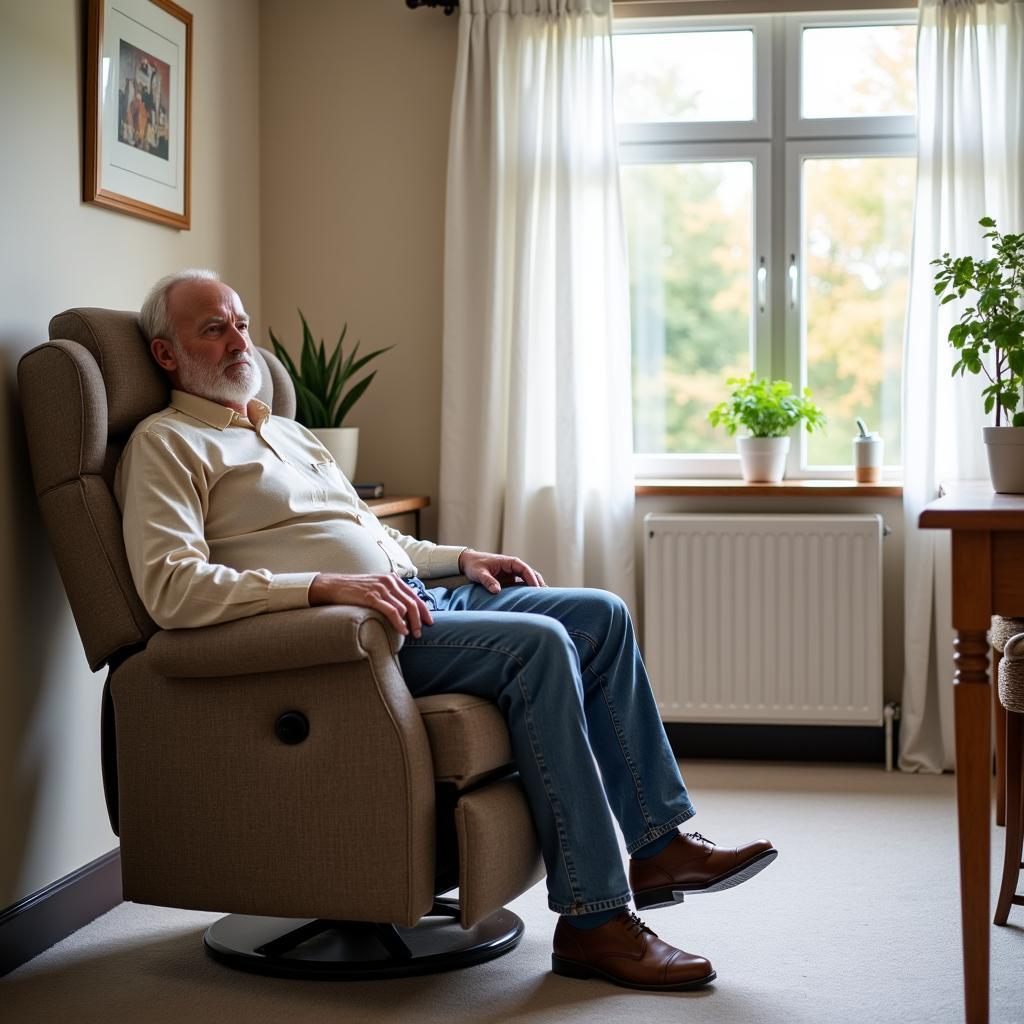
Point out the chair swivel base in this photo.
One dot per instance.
(358, 950)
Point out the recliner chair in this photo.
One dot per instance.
(275, 767)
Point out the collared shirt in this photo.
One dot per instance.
(227, 516)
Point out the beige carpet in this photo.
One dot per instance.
(857, 921)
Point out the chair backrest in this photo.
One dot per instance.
(82, 395)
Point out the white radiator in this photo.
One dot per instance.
(765, 618)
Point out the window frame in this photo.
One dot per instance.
(798, 126)
(795, 316)
(642, 132)
(776, 330)
(651, 465)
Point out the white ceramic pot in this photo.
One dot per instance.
(763, 459)
(1005, 449)
(343, 444)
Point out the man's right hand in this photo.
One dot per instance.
(382, 592)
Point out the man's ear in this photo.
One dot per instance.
(163, 353)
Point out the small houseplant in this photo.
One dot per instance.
(324, 394)
(989, 340)
(769, 410)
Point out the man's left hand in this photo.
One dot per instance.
(491, 571)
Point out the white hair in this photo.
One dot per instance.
(153, 317)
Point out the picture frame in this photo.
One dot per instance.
(138, 109)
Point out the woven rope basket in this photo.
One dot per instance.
(1011, 675)
(1002, 630)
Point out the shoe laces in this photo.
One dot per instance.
(698, 838)
(635, 925)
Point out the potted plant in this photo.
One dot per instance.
(989, 339)
(323, 393)
(769, 410)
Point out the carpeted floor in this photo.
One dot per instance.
(857, 921)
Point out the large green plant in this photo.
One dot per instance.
(767, 408)
(323, 396)
(995, 323)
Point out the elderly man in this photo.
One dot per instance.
(230, 511)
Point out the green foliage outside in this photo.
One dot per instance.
(994, 324)
(690, 251)
(858, 221)
(765, 408)
(691, 259)
(320, 380)
(691, 256)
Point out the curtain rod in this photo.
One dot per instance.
(448, 5)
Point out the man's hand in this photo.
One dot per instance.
(383, 592)
(491, 571)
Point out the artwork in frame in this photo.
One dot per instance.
(138, 105)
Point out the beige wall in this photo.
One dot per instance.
(355, 108)
(57, 252)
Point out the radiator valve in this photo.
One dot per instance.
(890, 714)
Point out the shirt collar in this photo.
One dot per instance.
(214, 414)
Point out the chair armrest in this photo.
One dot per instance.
(217, 812)
(272, 642)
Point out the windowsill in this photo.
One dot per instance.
(788, 488)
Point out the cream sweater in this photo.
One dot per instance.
(228, 516)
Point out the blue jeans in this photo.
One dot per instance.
(563, 667)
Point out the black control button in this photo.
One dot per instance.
(292, 727)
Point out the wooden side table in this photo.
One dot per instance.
(400, 512)
(988, 578)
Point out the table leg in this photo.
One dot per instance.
(973, 784)
(1000, 727)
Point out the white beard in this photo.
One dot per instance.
(213, 382)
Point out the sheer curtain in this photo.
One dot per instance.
(970, 68)
(536, 455)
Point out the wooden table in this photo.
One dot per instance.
(387, 508)
(988, 579)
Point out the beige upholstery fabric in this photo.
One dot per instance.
(268, 643)
(84, 525)
(1011, 675)
(1002, 629)
(499, 855)
(277, 391)
(468, 737)
(218, 814)
(135, 387)
(52, 373)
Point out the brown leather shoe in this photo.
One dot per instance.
(693, 864)
(626, 952)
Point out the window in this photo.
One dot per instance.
(768, 182)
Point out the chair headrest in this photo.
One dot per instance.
(134, 384)
(136, 387)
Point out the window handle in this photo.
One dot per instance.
(794, 280)
(762, 286)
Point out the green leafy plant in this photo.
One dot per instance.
(767, 408)
(323, 397)
(995, 323)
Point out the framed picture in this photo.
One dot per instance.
(138, 109)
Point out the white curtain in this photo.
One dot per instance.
(970, 70)
(536, 445)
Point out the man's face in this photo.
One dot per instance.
(211, 354)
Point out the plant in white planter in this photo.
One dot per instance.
(323, 393)
(989, 339)
(769, 410)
